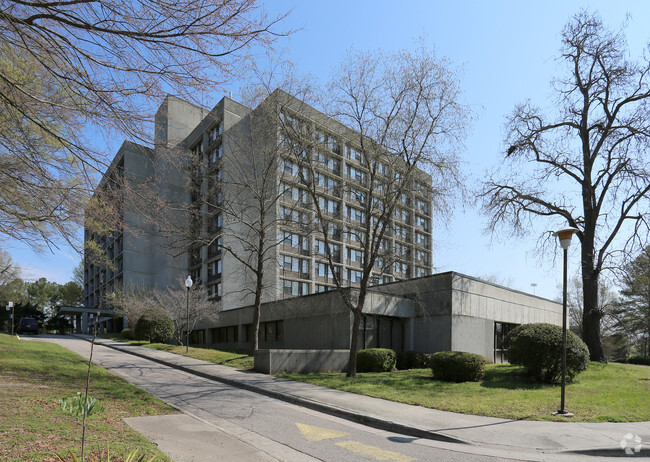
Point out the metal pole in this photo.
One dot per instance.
(187, 326)
(562, 409)
(12, 318)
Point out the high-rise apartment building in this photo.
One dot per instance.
(317, 176)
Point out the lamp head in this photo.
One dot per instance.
(564, 236)
(188, 282)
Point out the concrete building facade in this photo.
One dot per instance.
(201, 161)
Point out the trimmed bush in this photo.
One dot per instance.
(376, 360)
(154, 325)
(538, 347)
(457, 366)
(412, 360)
(642, 360)
(128, 334)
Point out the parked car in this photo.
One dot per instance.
(27, 326)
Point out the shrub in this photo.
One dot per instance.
(538, 347)
(128, 334)
(457, 366)
(412, 360)
(154, 325)
(376, 360)
(642, 360)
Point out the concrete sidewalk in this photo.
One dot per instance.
(526, 440)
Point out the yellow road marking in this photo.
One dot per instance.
(312, 433)
(373, 452)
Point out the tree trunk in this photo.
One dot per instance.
(591, 312)
(352, 360)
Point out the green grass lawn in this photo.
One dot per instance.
(603, 393)
(226, 358)
(33, 427)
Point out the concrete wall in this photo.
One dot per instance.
(473, 335)
(277, 361)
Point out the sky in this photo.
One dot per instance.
(506, 52)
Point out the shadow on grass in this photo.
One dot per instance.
(509, 377)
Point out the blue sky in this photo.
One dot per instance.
(507, 53)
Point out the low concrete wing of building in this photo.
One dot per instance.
(443, 312)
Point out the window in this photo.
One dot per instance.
(320, 249)
(270, 331)
(334, 165)
(214, 132)
(197, 150)
(320, 158)
(354, 154)
(355, 214)
(422, 222)
(403, 215)
(422, 206)
(421, 272)
(214, 155)
(401, 233)
(355, 235)
(294, 287)
(322, 288)
(214, 270)
(329, 206)
(422, 256)
(294, 264)
(422, 239)
(295, 240)
(294, 193)
(355, 276)
(355, 174)
(195, 274)
(357, 195)
(227, 334)
(402, 268)
(293, 216)
(501, 330)
(402, 250)
(214, 223)
(355, 256)
(320, 269)
(289, 167)
(421, 187)
(214, 290)
(290, 120)
(214, 248)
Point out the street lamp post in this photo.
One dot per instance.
(10, 306)
(564, 236)
(188, 284)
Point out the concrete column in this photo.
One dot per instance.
(84, 323)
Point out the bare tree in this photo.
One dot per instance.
(586, 166)
(405, 122)
(130, 303)
(179, 301)
(69, 68)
